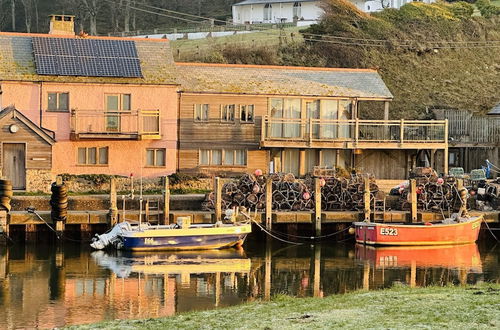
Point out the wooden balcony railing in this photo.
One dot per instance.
(134, 124)
(352, 133)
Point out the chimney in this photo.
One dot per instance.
(62, 24)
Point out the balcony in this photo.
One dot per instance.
(128, 125)
(354, 134)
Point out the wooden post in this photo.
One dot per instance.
(413, 274)
(302, 162)
(413, 200)
(317, 206)
(166, 200)
(446, 147)
(267, 272)
(460, 184)
(356, 131)
(402, 131)
(366, 275)
(386, 110)
(113, 208)
(367, 200)
(218, 198)
(269, 203)
(146, 211)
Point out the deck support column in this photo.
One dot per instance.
(386, 110)
(166, 201)
(30, 233)
(317, 207)
(317, 271)
(446, 147)
(302, 162)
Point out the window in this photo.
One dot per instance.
(268, 12)
(118, 102)
(201, 112)
(58, 102)
(227, 113)
(93, 156)
(297, 10)
(155, 157)
(226, 157)
(246, 113)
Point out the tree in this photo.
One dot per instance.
(13, 14)
(28, 6)
(93, 7)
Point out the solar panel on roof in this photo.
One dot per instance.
(86, 57)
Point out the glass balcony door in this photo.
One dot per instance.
(115, 105)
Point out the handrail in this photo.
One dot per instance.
(355, 130)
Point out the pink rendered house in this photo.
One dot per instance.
(109, 104)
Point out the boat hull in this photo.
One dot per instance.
(186, 239)
(401, 234)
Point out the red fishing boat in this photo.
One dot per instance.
(459, 231)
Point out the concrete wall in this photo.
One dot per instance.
(125, 156)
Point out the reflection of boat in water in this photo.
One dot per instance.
(183, 262)
(446, 256)
(462, 231)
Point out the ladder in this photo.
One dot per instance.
(152, 210)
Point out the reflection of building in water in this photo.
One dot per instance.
(46, 288)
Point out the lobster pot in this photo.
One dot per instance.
(5, 195)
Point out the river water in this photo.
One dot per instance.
(51, 286)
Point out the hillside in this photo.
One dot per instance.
(425, 57)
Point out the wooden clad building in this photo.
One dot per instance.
(238, 118)
(24, 149)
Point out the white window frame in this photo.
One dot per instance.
(246, 121)
(58, 102)
(155, 150)
(200, 107)
(223, 155)
(97, 156)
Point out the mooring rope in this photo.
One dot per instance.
(275, 237)
(312, 237)
(490, 230)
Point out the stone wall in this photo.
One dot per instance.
(38, 180)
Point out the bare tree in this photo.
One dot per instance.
(126, 17)
(28, 13)
(93, 7)
(13, 14)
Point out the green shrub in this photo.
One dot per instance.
(462, 9)
(426, 12)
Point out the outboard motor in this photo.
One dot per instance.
(112, 237)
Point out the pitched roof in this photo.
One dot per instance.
(25, 120)
(281, 80)
(262, 2)
(17, 61)
(495, 110)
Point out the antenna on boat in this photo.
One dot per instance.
(140, 201)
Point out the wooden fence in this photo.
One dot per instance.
(465, 127)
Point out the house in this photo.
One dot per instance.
(239, 118)
(101, 105)
(303, 12)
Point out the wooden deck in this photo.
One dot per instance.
(354, 134)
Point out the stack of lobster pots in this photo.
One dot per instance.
(433, 193)
(291, 194)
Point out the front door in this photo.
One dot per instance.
(14, 164)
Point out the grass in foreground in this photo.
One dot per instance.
(401, 307)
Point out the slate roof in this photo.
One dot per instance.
(281, 80)
(495, 110)
(17, 61)
(262, 2)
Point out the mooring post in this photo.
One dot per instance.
(218, 198)
(5, 198)
(413, 200)
(317, 206)
(269, 203)
(367, 200)
(113, 203)
(166, 200)
(317, 271)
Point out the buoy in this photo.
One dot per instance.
(352, 231)
(306, 195)
(440, 181)
(258, 172)
(322, 182)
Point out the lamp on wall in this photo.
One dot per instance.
(13, 128)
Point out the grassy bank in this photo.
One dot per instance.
(401, 307)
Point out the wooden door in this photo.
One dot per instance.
(14, 164)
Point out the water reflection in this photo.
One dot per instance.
(55, 286)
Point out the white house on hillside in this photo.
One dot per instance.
(304, 12)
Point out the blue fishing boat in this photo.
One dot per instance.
(179, 236)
